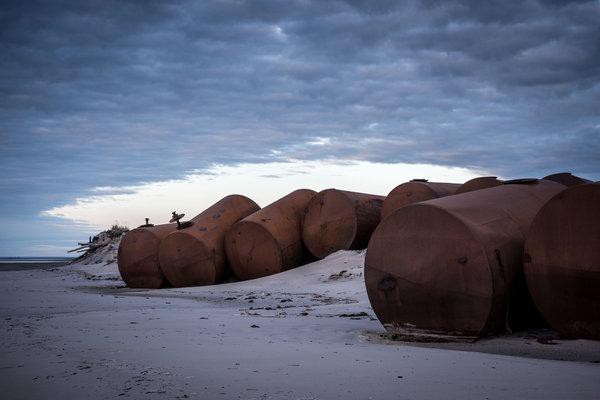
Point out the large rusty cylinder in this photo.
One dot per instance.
(454, 265)
(340, 220)
(137, 257)
(483, 182)
(567, 179)
(270, 240)
(195, 256)
(562, 261)
(415, 191)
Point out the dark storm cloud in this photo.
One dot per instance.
(107, 93)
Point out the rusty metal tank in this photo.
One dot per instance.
(195, 255)
(562, 261)
(270, 240)
(415, 191)
(482, 182)
(567, 179)
(340, 220)
(137, 257)
(454, 266)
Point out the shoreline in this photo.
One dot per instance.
(25, 266)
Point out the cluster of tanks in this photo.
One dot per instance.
(462, 260)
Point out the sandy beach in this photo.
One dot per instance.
(309, 333)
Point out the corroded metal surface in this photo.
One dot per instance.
(454, 265)
(138, 256)
(415, 191)
(482, 182)
(340, 220)
(562, 261)
(567, 179)
(195, 256)
(270, 240)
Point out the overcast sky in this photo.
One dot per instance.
(119, 94)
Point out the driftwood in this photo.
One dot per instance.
(100, 240)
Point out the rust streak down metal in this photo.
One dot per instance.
(340, 220)
(270, 240)
(195, 255)
(567, 179)
(454, 265)
(562, 261)
(483, 182)
(138, 256)
(415, 191)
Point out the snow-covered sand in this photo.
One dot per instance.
(308, 333)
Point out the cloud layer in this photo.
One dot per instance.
(108, 93)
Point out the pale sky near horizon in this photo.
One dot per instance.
(263, 183)
(103, 103)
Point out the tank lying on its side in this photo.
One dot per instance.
(340, 220)
(454, 266)
(567, 179)
(137, 257)
(270, 240)
(195, 255)
(482, 182)
(562, 261)
(415, 191)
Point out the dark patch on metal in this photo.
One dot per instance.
(387, 284)
(497, 252)
(462, 260)
(185, 224)
(522, 181)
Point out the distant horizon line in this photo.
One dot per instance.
(8, 258)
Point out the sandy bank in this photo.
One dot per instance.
(308, 333)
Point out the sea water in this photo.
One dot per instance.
(27, 260)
